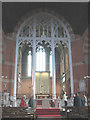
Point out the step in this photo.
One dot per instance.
(49, 116)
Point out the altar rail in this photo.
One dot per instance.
(47, 103)
(6, 100)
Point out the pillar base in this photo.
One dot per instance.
(53, 96)
(14, 101)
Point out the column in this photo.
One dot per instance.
(71, 70)
(34, 67)
(15, 75)
(34, 58)
(53, 72)
(64, 63)
(53, 63)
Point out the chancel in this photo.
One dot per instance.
(45, 56)
(46, 30)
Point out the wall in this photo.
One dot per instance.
(80, 62)
(0, 59)
(8, 62)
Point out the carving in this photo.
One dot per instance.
(39, 28)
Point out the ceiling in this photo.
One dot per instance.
(75, 13)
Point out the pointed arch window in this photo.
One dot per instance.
(40, 59)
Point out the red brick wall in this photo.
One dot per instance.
(80, 66)
(26, 87)
(8, 63)
(77, 50)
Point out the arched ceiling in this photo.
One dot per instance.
(75, 13)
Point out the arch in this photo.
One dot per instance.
(56, 24)
(28, 15)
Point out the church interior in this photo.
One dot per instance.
(44, 53)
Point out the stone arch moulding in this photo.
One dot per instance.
(56, 23)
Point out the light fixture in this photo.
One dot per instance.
(5, 76)
(86, 77)
(2, 76)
